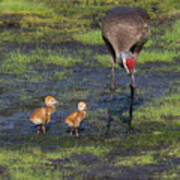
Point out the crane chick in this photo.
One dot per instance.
(74, 119)
(42, 115)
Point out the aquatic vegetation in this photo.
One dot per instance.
(103, 60)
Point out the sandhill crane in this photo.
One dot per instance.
(74, 119)
(42, 115)
(125, 30)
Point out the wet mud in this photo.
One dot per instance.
(20, 96)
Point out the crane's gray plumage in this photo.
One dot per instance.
(125, 28)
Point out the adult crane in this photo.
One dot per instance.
(125, 31)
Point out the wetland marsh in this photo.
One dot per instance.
(48, 49)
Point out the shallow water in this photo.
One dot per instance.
(22, 94)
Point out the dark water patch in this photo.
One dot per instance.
(149, 127)
(145, 172)
(10, 20)
(141, 172)
(86, 159)
(59, 163)
(170, 117)
(133, 151)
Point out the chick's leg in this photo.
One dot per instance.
(77, 134)
(38, 129)
(43, 129)
(48, 119)
(71, 133)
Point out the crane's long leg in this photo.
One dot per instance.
(112, 89)
(132, 89)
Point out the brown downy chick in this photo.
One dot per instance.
(42, 115)
(74, 119)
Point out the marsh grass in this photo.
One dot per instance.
(60, 21)
(91, 37)
(103, 60)
(172, 36)
(18, 62)
(22, 5)
(158, 56)
(163, 111)
(136, 160)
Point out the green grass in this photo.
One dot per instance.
(91, 38)
(22, 5)
(131, 161)
(61, 20)
(149, 43)
(64, 61)
(163, 112)
(157, 56)
(104, 60)
(18, 62)
(172, 36)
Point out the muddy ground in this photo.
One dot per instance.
(20, 97)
